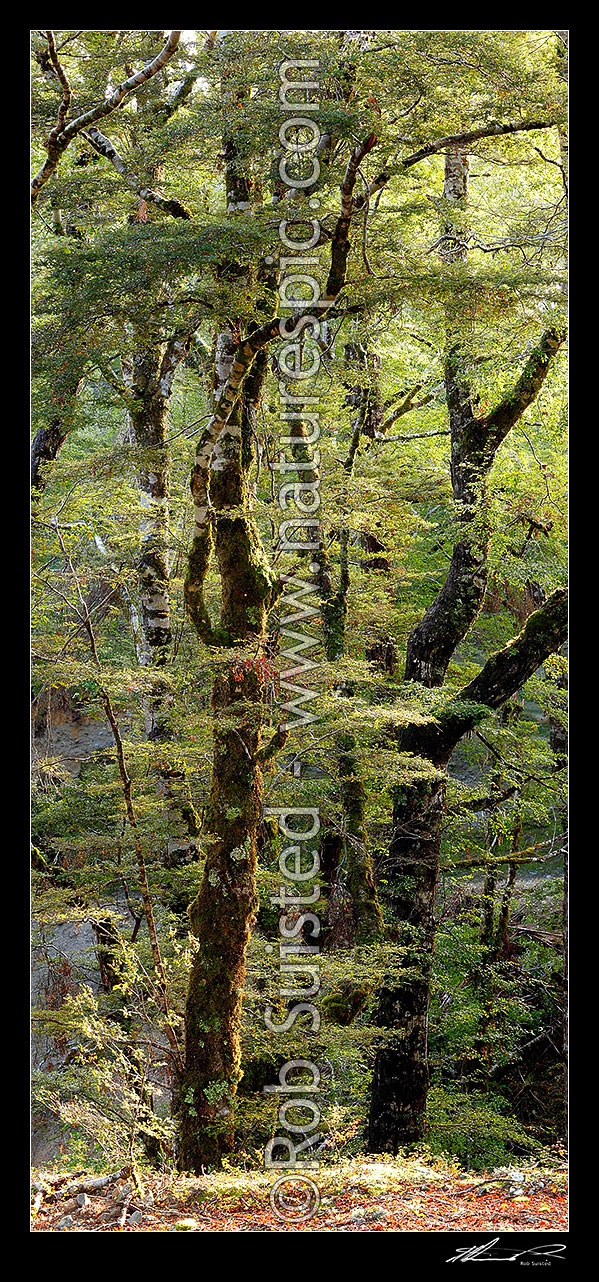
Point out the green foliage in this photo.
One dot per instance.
(101, 1094)
(474, 1129)
(115, 276)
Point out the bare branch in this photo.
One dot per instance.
(493, 129)
(66, 88)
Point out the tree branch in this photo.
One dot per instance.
(493, 129)
(106, 148)
(511, 408)
(502, 675)
(62, 134)
(66, 88)
(259, 338)
(507, 670)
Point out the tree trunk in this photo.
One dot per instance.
(400, 1083)
(474, 444)
(221, 917)
(149, 424)
(558, 740)
(353, 914)
(154, 366)
(223, 913)
(401, 1078)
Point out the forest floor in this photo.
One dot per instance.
(357, 1196)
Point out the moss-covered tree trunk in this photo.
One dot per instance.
(223, 913)
(221, 917)
(224, 525)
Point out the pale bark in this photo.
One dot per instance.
(104, 147)
(62, 133)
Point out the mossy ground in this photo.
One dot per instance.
(403, 1194)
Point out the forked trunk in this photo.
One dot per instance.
(401, 1075)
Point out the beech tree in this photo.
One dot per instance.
(160, 309)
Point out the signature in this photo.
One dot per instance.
(485, 1251)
